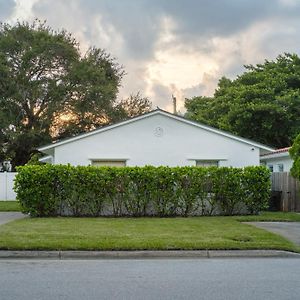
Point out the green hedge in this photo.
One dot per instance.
(53, 190)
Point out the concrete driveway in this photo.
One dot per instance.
(6, 217)
(289, 230)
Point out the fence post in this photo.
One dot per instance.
(5, 186)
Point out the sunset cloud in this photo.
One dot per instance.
(179, 47)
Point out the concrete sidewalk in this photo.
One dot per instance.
(4, 254)
(289, 230)
(6, 217)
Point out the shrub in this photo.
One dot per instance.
(192, 190)
(256, 188)
(227, 189)
(37, 189)
(138, 191)
(53, 190)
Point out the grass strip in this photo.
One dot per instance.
(268, 216)
(9, 206)
(193, 233)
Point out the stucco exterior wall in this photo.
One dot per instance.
(286, 161)
(157, 140)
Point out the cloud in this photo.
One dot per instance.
(22, 10)
(6, 8)
(181, 47)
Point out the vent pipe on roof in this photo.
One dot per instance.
(174, 105)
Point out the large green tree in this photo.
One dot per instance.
(44, 81)
(295, 155)
(93, 84)
(261, 104)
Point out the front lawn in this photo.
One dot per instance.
(269, 216)
(9, 206)
(137, 234)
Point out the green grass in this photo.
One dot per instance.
(271, 216)
(9, 206)
(137, 234)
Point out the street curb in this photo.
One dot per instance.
(206, 254)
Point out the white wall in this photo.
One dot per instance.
(179, 145)
(286, 161)
(6, 186)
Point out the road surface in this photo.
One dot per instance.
(246, 278)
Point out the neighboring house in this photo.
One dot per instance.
(156, 138)
(278, 161)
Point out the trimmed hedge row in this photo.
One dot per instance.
(54, 190)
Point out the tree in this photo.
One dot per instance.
(44, 81)
(133, 106)
(34, 62)
(295, 155)
(261, 104)
(80, 120)
(91, 100)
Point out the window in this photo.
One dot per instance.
(108, 163)
(280, 167)
(271, 168)
(207, 163)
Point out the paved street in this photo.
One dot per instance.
(260, 278)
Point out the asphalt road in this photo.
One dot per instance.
(260, 278)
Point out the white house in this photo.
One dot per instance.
(278, 161)
(156, 138)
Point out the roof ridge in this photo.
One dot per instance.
(152, 112)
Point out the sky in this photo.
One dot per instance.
(180, 47)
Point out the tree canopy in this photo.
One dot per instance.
(49, 90)
(34, 62)
(133, 106)
(261, 104)
(295, 155)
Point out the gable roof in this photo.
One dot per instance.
(157, 111)
(277, 151)
(282, 152)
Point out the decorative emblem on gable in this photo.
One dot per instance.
(158, 131)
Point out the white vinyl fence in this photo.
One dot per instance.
(6, 186)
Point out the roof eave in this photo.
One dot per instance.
(78, 137)
(215, 130)
(146, 115)
(275, 155)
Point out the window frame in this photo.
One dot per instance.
(206, 163)
(280, 167)
(107, 160)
